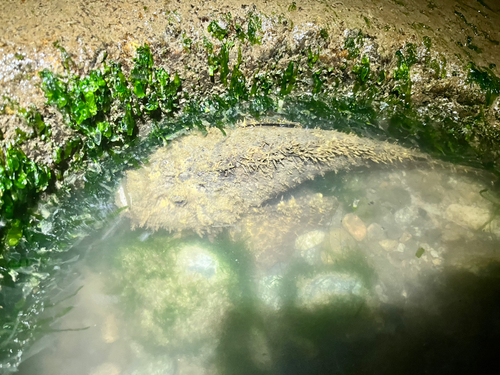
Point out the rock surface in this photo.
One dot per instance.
(355, 226)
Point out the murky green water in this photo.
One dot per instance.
(398, 272)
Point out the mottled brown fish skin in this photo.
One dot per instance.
(204, 183)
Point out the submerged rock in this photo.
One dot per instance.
(355, 226)
(327, 288)
(269, 232)
(468, 216)
(309, 240)
(205, 183)
(340, 245)
(177, 293)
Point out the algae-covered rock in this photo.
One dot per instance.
(204, 183)
(177, 293)
(327, 288)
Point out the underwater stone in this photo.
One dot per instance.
(375, 232)
(327, 288)
(309, 240)
(176, 292)
(269, 291)
(355, 226)
(269, 232)
(205, 183)
(405, 216)
(107, 368)
(468, 216)
(340, 243)
(389, 245)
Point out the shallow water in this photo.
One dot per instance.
(399, 273)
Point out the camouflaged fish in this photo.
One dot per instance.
(206, 182)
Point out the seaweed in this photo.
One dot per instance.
(217, 31)
(486, 80)
(405, 57)
(362, 70)
(352, 44)
(289, 78)
(254, 26)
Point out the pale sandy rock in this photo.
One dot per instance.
(107, 368)
(375, 232)
(355, 226)
(405, 237)
(309, 240)
(468, 216)
(109, 329)
(340, 242)
(401, 247)
(406, 216)
(389, 245)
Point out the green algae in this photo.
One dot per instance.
(352, 44)
(362, 70)
(486, 80)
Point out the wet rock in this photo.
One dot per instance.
(269, 291)
(405, 237)
(389, 245)
(401, 247)
(309, 240)
(308, 246)
(468, 216)
(259, 349)
(454, 232)
(406, 216)
(154, 365)
(269, 232)
(178, 292)
(106, 369)
(109, 329)
(340, 243)
(187, 367)
(355, 226)
(327, 288)
(375, 232)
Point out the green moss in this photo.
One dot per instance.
(35, 121)
(237, 86)
(367, 21)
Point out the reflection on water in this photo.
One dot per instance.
(386, 272)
